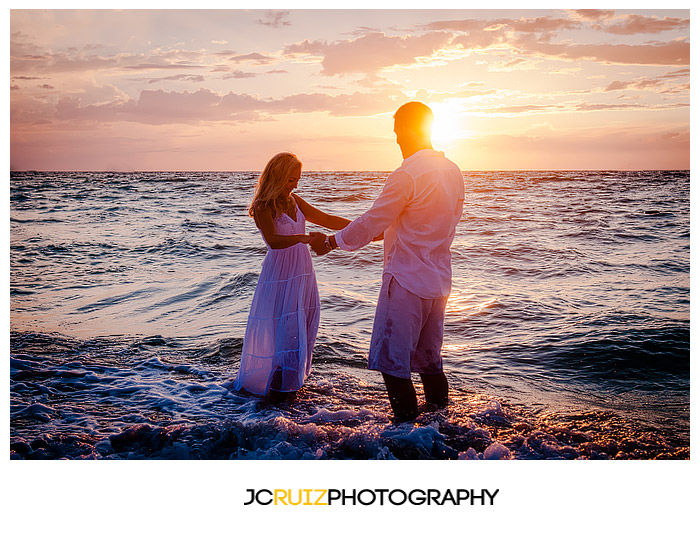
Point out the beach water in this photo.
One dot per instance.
(567, 333)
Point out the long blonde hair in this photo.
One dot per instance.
(269, 191)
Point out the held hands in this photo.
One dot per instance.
(318, 243)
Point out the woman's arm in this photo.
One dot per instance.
(319, 217)
(264, 219)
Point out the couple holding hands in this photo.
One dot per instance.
(416, 212)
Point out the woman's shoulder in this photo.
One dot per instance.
(263, 212)
(300, 202)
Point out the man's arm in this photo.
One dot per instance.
(395, 196)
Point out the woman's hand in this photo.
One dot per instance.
(318, 243)
(310, 236)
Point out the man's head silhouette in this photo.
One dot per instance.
(413, 124)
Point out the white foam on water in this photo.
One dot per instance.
(496, 451)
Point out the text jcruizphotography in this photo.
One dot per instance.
(369, 497)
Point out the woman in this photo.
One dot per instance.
(284, 314)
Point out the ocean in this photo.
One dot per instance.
(567, 333)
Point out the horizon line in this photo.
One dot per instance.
(322, 170)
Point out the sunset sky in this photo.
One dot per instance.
(225, 90)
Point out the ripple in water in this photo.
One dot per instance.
(567, 333)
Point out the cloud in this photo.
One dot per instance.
(275, 19)
(314, 48)
(345, 104)
(479, 39)
(255, 57)
(468, 92)
(459, 25)
(371, 52)
(161, 66)
(232, 73)
(154, 107)
(638, 24)
(238, 74)
(158, 107)
(30, 60)
(176, 78)
(59, 63)
(598, 107)
(373, 80)
(661, 81)
(575, 106)
(541, 24)
(680, 73)
(617, 85)
(75, 61)
(524, 109)
(634, 84)
(594, 14)
(515, 64)
(672, 53)
(497, 27)
(21, 45)
(534, 36)
(481, 34)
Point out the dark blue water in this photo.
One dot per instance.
(567, 333)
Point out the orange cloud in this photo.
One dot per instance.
(673, 53)
(275, 19)
(78, 61)
(638, 24)
(594, 14)
(541, 24)
(371, 52)
(158, 107)
(537, 24)
(484, 33)
(254, 57)
(534, 36)
(173, 78)
(238, 74)
(646, 83)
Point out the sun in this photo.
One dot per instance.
(448, 124)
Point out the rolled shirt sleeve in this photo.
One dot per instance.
(395, 196)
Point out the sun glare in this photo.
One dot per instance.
(447, 126)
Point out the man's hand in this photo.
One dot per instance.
(318, 243)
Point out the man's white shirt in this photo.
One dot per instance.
(418, 211)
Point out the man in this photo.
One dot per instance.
(417, 210)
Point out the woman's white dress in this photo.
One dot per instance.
(284, 317)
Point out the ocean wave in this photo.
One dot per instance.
(231, 288)
(570, 295)
(160, 398)
(489, 431)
